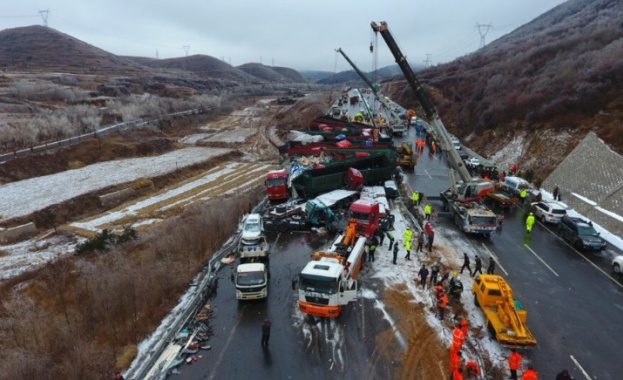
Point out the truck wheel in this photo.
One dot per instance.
(488, 235)
(476, 301)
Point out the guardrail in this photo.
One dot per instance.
(100, 132)
(205, 279)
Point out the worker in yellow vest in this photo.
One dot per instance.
(416, 198)
(428, 210)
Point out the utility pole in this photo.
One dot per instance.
(44, 16)
(186, 49)
(157, 57)
(273, 62)
(428, 61)
(483, 29)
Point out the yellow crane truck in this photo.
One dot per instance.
(506, 317)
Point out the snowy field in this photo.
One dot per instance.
(27, 196)
(222, 180)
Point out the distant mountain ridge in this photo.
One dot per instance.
(41, 49)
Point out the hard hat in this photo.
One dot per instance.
(455, 274)
(531, 213)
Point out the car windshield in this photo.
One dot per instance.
(252, 227)
(318, 284)
(360, 216)
(587, 231)
(276, 182)
(251, 278)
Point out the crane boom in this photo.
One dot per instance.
(370, 85)
(422, 96)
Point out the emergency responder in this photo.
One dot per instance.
(455, 362)
(415, 197)
(514, 363)
(472, 369)
(465, 327)
(529, 223)
(530, 374)
(434, 272)
(441, 305)
(522, 195)
(478, 267)
(457, 338)
(391, 240)
(491, 266)
(428, 210)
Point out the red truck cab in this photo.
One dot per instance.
(277, 185)
(366, 214)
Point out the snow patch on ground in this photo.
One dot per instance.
(25, 197)
(507, 156)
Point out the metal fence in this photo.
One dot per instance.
(95, 134)
(199, 298)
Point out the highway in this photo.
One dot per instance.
(574, 308)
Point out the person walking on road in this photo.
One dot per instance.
(265, 332)
(434, 272)
(408, 248)
(423, 273)
(522, 195)
(420, 242)
(556, 192)
(395, 252)
(415, 197)
(564, 375)
(441, 305)
(529, 223)
(514, 363)
(391, 240)
(478, 267)
(428, 210)
(431, 238)
(371, 250)
(466, 264)
(491, 266)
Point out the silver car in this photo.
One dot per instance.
(617, 264)
(549, 212)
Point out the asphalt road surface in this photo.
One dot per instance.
(574, 308)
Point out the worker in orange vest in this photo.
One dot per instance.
(441, 305)
(458, 374)
(457, 337)
(530, 374)
(455, 362)
(472, 369)
(514, 363)
(465, 328)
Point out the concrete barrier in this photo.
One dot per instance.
(595, 172)
(116, 196)
(9, 235)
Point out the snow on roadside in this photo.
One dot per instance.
(56, 188)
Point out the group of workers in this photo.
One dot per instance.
(459, 368)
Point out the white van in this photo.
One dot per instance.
(514, 185)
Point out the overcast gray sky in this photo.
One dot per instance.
(297, 34)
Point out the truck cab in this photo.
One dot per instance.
(365, 212)
(251, 281)
(277, 184)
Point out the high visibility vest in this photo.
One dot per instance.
(514, 361)
(523, 193)
(415, 196)
(428, 209)
(458, 337)
(529, 375)
(443, 301)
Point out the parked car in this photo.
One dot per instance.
(580, 233)
(463, 154)
(549, 212)
(514, 185)
(617, 264)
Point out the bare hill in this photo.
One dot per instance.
(204, 66)
(264, 72)
(546, 84)
(289, 73)
(41, 49)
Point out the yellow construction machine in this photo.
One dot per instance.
(406, 156)
(506, 317)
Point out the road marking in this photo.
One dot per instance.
(541, 260)
(580, 367)
(363, 320)
(494, 258)
(428, 174)
(585, 258)
(223, 350)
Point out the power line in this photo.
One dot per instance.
(483, 29)
(428, 61)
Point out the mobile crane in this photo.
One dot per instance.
(469, 215)
(396, 126)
